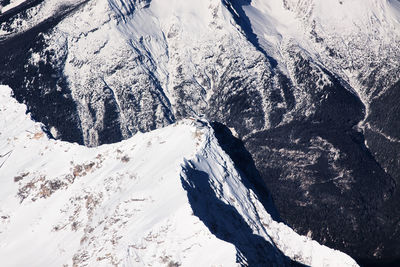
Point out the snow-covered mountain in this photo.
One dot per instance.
(311, 87)
(170, 197)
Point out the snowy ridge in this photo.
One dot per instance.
(166, 66)
(143, 62)
(349, 36)
(12, 4)
(227, 184)
(360, 36)
(287, 76)
(132, 203)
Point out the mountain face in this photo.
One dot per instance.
(310, 87)
(170, 197)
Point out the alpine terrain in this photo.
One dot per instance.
(271, 123)
(167, 198)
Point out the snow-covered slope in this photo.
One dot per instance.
(311, 87)
(133, 66)
(354, 39)
(165, 198)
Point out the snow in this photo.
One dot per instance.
(125, 203)
(12, 4)
(142, 49)
(119, 203)
(273, 24)
(163, 29)
(276, 21)
(36, 14)
(351, 38)
(173, 42)
(170, 46)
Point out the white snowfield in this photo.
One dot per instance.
(164, 46)
(364, 33)
(130, 203)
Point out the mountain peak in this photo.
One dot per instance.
(309, 87)
(164, 197)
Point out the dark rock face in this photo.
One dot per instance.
(4, 2)
(46, 95)
(324, 180)
(383, 140)
(383, 133)
(225, 223)
(244, 162)
(298, 132)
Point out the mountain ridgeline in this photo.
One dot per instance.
(310, 88)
